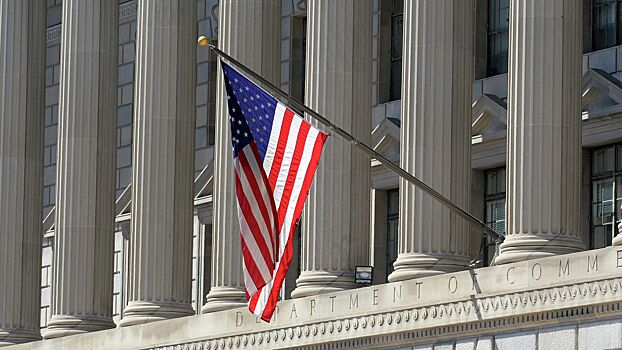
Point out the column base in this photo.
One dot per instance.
(140, 312)
(521, 247)
(321, 282)
(66, 325)
(417, 265)
(18, 336)
(224, 298)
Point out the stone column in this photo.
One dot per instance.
(335, 223)
(22, 65)
(85, 179)
(249, 31)
(160, 263)
(435, 136)
(544, 130)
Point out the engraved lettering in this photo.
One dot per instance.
(293, 313)
(354, 302)
(537, 273)
(276, 313)
(418, 284)
(507, 275)
(312, 306)
(453, 286)
(619, 253)
(376, 296)
(332, 304)
(238, 319)
(564, 269)
(397, 295)
(592, 265)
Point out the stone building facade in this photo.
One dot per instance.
(512, 109)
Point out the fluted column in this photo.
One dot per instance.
(160, 263)
(435, 135)
(335, 223)
(544, 130)
(85, 186)
(249, 31)
(22, 65)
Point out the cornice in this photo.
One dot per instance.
(424, 324)
(559, 290)
(565, 289)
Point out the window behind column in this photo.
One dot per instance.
(495, 209)
(397, 34)
(125, 103)
(498, 36)
(392, 228)
(606, 195)
(605, 28)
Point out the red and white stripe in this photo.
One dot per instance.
(291, 159)
(257, 217)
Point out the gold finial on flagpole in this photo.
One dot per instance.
(203, 41)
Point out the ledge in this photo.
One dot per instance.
(569, 288)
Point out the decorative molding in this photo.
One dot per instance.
(53, 35)
(477, 315)
(127, 13)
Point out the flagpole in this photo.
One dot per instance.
(203, 41)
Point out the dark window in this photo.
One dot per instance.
(606, 195)
(498, 36)
(397, 33)
(54, 15)
(605, 23)
(495, 209)
(393, 216)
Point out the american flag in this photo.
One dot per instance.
(275, 155)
